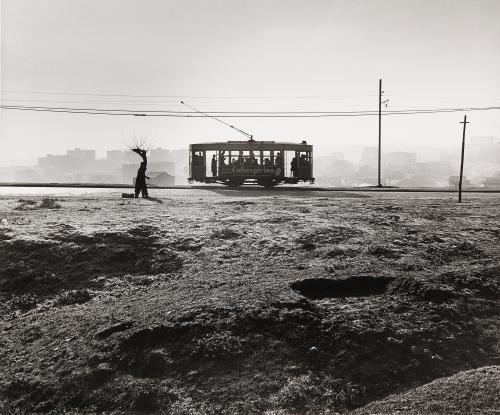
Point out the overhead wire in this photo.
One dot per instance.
(240, 114)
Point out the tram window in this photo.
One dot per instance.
(222, 158)
(238, 158)
(266, 158)
(246, 158)
(255, 158)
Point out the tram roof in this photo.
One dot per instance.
(251, 145)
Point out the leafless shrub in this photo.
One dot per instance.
(26, 204)
(48, 203)
(27, 201)
(31, 204)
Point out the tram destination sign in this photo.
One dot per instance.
(254, 171)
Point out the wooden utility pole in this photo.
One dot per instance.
(464, 122)
(379, 132)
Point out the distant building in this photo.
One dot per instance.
(326, 166)
(400, 159)
(128, 172)
(115, 156)
(81, 156)
(51, 161)
(120, 156)
(484, 141)
(336, 156)
(119, 166)
(76, 159)
(483, 153)
(159, 154)
(101, 178)
(331, 171)
(454, 181)
(166, 166)
(369, 156)
(436, 169)
(367, 171)
(160, 179)
(26, 175)
(492, 182)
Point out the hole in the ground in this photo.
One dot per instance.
(362, 286)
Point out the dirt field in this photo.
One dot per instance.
(227, 302)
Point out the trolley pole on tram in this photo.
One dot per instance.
(464, 122)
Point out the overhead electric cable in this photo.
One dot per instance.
(177, 97)
(235, 114)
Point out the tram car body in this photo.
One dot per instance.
(265, 163)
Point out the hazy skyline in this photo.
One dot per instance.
(272, 55)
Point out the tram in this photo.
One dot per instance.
(264, 163)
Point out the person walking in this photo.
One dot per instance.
(140, 180)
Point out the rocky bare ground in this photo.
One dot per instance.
(259, 304)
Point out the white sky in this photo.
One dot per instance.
(430, 54)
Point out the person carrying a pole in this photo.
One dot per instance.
(140, 180)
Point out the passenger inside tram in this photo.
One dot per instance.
(304, 162)
(279, 159)
(222, 158)
(293, 167)
(198, 159)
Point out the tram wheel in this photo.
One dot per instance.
(235, 182)
(269, 183)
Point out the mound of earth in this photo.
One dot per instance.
(470, 392)
(214, 305)
(69, 258)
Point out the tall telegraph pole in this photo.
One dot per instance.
(464, 122)
(379, 131)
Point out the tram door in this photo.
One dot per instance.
(198, 165)
(212, 167)
(304, 163)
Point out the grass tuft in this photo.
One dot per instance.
(225, 233)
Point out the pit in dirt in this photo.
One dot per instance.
(362, 286)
